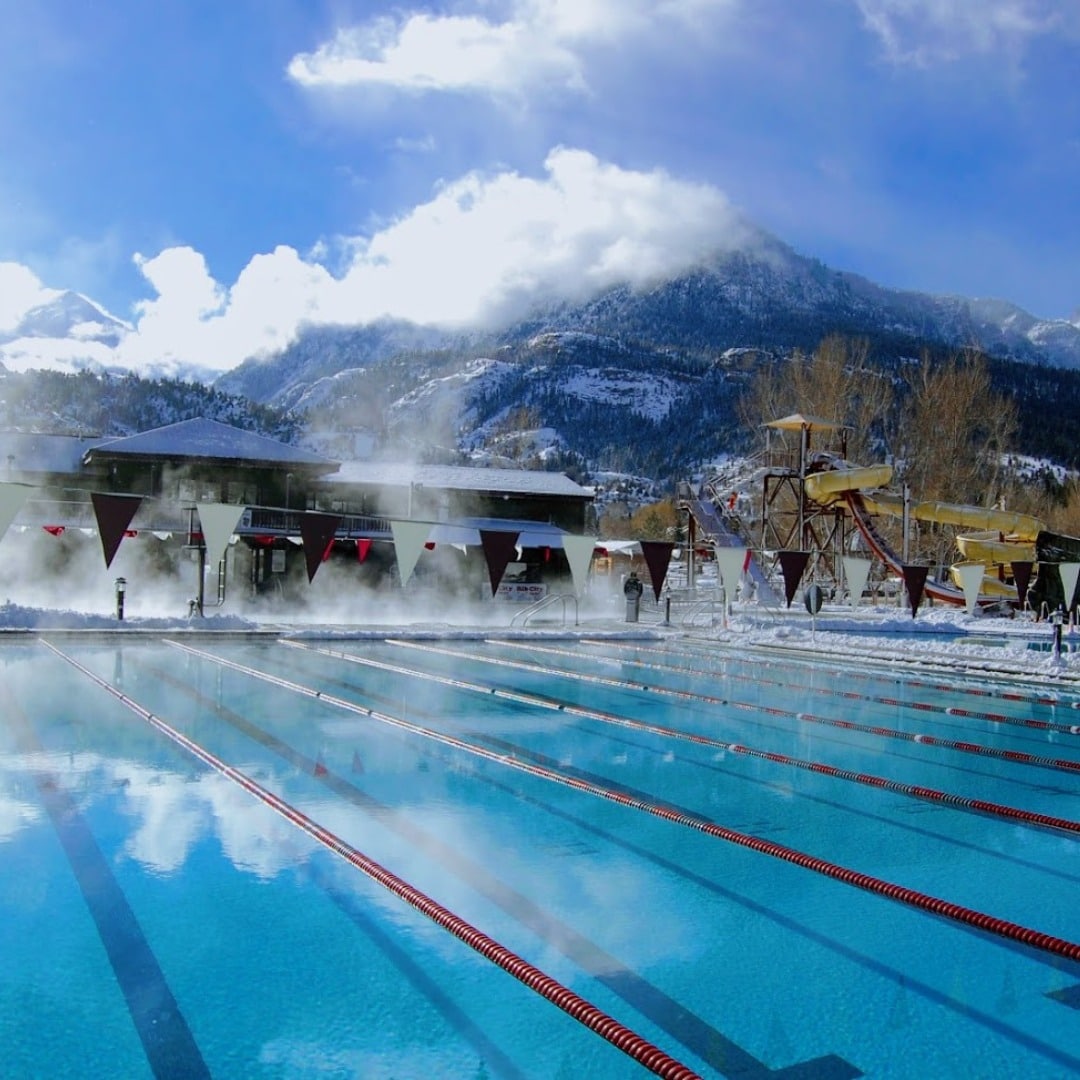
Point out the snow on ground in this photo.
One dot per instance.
(939, 638)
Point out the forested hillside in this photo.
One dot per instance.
(102, 404)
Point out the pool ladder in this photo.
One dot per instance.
(541, 605)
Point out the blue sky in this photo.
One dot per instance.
(219, 173)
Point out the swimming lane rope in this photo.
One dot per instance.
(981, 806)
(629, 1042)
(1018, 757)
(1035, 939)
(947, 710)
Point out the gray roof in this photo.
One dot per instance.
(467, 531)
(458, 477)
(208, 440)
(28, 452)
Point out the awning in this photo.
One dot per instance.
(531, 534)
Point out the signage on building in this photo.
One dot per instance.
(521, 592)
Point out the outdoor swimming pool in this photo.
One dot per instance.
(755, 864)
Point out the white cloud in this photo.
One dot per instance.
(478, 253)
(485, 245)
(925, 31)
(537, 48)
(20, 292)
(429, 53)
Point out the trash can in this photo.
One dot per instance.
(632, 590)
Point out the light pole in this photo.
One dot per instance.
(288, 484)
(121, 588)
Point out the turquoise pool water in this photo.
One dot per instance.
(587, 806)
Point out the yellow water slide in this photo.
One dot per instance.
(830, 486)
(999, 537)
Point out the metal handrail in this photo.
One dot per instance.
(546, 602)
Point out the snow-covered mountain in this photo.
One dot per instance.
(70, 315)
(633, 379)
(68, 332)
(764, 297)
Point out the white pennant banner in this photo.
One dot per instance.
(971, 576)
(1069, 572)
(409, 540)
(12, 497)
(579, 552)
(218, 522)
(856, 573)
(729, 561)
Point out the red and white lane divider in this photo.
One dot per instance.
(1003, 928)
(890, 662)
(1009, 813)
(629, 1042)
(946, 710)
(1018, 757)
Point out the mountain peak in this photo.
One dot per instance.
(70, 314)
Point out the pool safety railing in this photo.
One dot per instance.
(623, 1038)
(542, 605)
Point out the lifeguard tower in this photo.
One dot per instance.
(797, 446)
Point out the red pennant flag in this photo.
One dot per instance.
(329, 548)
(1022, 577)
(429, 546)
(793, 565)
(317, 533)
(915, 581)
(499, 550)
(54, 530)
(657, 555)
(114, 514)
(363, 546)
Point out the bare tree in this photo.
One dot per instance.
(839, 382)
(955, 432)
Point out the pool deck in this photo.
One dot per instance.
(941, 640)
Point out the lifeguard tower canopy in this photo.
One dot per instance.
(798, 421)
(804, 424)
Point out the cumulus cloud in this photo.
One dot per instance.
(538, 47)
(20, 292)
(482, 250)
(926, 31)
(487, 245)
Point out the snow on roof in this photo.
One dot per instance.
(209, 439)
(27, 452)
(531, 534)
(798, 421)
(458, 477)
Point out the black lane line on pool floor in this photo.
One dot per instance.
(1016, 728)
(1016, 757)
(588, 1015)
(976, 921)
(698, 1036)
(549, 704)
(968, 682)
(493, 1055)
(904, 983)
(170, 1048)
(760, 718)
(930, 796)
